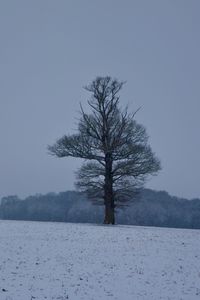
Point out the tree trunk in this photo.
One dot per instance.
(108, 192)
(109, 215)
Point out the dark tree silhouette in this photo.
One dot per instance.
(115, 147)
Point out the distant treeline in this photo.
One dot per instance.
(150, 208)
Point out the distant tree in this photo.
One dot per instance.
(114, 146)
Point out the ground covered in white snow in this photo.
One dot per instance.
(72, 261)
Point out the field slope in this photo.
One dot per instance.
(73, 261)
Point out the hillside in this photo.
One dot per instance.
(88, 262)
(149, 208)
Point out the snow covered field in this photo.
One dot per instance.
(73, 261)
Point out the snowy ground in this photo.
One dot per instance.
(72, 261)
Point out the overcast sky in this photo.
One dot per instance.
(50, 49)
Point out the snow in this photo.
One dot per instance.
(74, 261)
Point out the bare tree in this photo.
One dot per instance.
(114, 146)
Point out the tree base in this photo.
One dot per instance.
(109, 219)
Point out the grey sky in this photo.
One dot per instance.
(50, 49)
